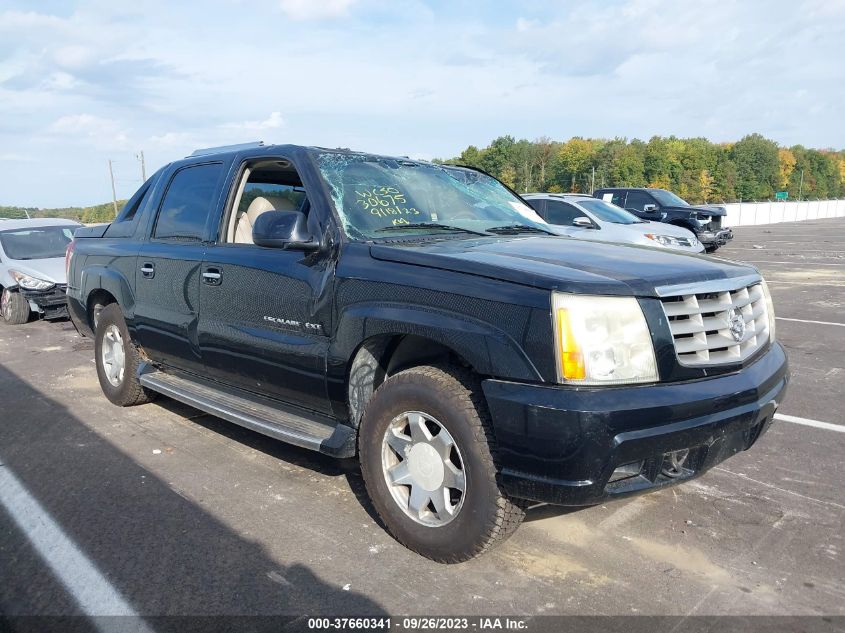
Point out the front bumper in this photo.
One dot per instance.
(561, 445)
(52, 303)
(719, 237)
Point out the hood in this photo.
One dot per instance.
(559, 263)
(52, 269)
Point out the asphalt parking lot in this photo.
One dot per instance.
(182, 513)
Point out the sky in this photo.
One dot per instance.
(85, 81)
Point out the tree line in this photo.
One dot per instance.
(753, 168)
(87, 215)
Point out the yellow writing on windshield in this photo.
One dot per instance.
(384, 202)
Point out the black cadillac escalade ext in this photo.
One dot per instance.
(421, 317)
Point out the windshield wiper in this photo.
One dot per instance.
(428, 225)
(514, 229)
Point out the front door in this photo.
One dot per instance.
(563, 214)
(265, 312)
(636, 201)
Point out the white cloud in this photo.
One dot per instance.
(14, 157)
(173, 140)
(272, 122)
(524, 24)
(315, 9)
(404, 77)
(87, 128)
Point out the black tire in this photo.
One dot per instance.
(453, 397)
(15, 307)
(128, 391)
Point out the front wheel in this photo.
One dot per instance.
(117, 360)
(426, 449)
(14, 307)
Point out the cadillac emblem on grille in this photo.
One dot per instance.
(737, 324)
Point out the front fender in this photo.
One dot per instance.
(490, 351)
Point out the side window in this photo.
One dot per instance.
(561, 213)
(188, 202)
(618, 198)
(124, 224)
(135, 203)
(293, 194)
(266, 185)
(637, 200)
(539, 205)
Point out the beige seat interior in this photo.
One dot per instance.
(246, 219)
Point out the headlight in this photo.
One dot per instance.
(770, 308)
(31, 283)
(601, 340)
(663, 240)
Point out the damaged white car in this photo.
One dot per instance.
(32, 268)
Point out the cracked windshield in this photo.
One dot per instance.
(378, 197)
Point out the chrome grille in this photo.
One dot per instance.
(701, 323)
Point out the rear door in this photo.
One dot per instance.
(167, 276)
(539, 205)
(616, 197)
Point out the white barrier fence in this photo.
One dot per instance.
(749, 213)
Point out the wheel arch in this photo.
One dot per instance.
(102, 286)
(374, 344)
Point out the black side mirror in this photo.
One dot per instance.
(283, 229)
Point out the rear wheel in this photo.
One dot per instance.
(14, 308)
(426, 449)
(117, 360)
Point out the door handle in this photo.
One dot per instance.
(212, 276)
(148, 270)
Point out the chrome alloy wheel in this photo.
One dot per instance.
(113, 355)
(6, 304)
(423, 468)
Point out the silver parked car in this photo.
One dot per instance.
(32, 268)
(588, 218)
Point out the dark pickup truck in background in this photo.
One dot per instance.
(422, 317)
(659, 205)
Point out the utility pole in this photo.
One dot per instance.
(593, 182)
(801, 186)
(140, 157)
(113, 192)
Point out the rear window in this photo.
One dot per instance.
(37, 243)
